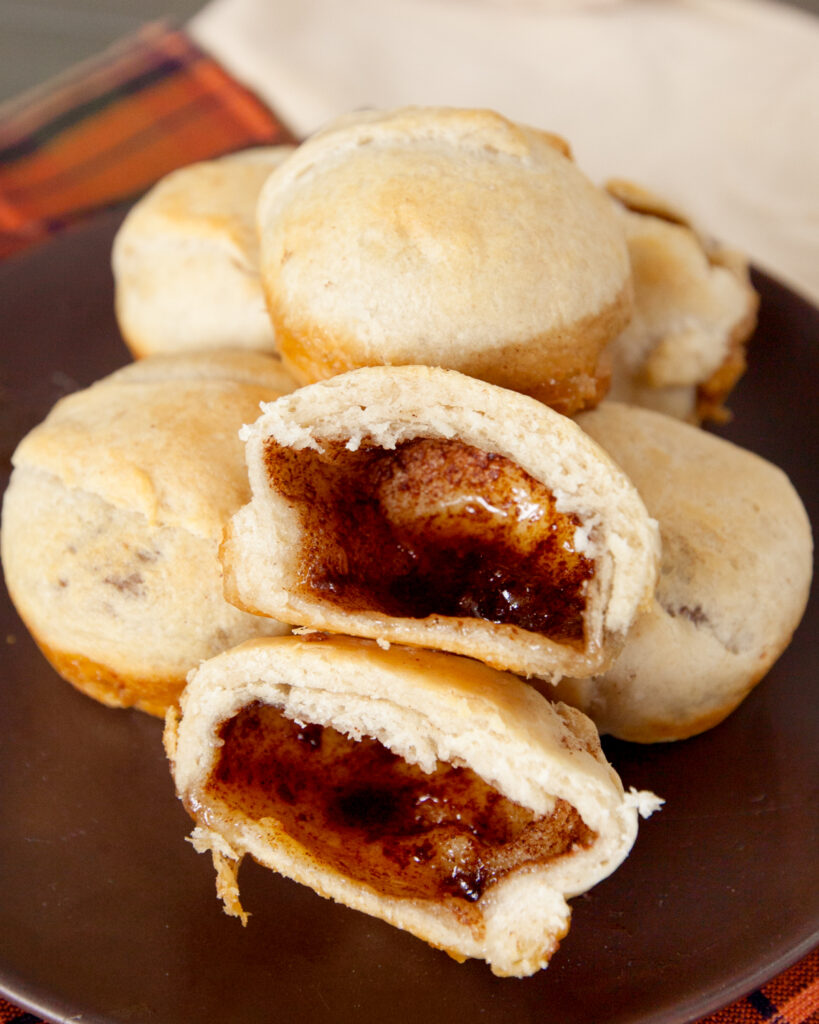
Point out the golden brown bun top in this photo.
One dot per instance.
(238, 366)
(212, 200)
(160, 436)
(445, 237)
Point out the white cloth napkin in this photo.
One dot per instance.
(714, 104)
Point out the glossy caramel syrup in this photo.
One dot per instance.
(364, 811)
(434, 527)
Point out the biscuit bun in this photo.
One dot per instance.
(422, 788)
(233, 365)
(734, 579)
(444, 237)
(694, 310)
(112, 521)
(185, 259)
(418, 505)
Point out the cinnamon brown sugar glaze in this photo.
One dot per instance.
(373, 817)
(433, 527)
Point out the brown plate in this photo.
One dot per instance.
(108, 915)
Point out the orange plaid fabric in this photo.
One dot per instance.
(110, 128)
(106, 132)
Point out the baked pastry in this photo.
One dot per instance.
(734, 579)
(112, 521)
(444, 237)
(694, 310)
(422, 788)
(236, 365)
(185, 259)
(421, 506)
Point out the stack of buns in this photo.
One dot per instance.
(479, 560)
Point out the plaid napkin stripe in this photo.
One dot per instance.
(103, 134)
(110, 128)
(11, 1015)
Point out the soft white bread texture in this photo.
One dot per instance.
(734, 579)
(427, 708)
(444, 237)
(186, 262)
(694, 309)
(484, 458)
(113, 517)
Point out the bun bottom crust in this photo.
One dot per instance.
(567, 368)
(115, 690)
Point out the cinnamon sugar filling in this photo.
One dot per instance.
(433, 527)
(373, 817)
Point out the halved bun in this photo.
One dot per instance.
(422, 506)
(425, 789)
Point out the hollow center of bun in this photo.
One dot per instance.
(434, 527)
(368, 814)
